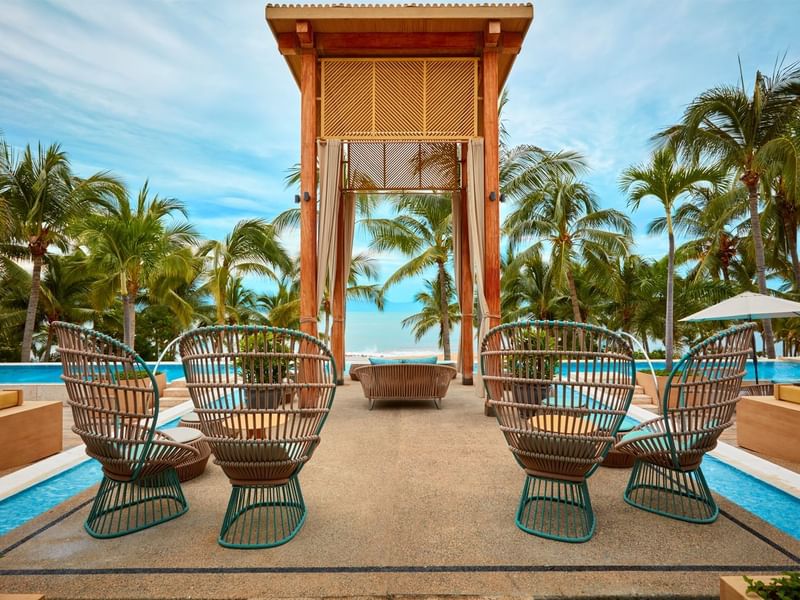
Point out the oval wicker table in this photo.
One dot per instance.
(196, 466)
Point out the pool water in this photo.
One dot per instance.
(51, 372)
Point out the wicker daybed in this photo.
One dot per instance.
(405, 381)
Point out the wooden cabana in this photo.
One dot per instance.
(399, 98)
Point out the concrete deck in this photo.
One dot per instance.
(403, 500)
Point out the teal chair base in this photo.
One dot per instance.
(263, 516)
(682, 495)
(556, 509)
(123, 507)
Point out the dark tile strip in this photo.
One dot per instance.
(401, 569)
(44, 528)
(760, 536)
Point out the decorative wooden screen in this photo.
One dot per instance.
(398, 166)
(400, 98)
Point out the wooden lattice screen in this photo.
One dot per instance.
(399, 98)
(397, 166)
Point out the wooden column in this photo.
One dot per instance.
(338, 298)
(467, 293)
(491, 136)
(308, 186)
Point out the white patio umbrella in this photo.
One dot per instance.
(748, 306)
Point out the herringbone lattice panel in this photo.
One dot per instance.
(389, 166)
(398, 99)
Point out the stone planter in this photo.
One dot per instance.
(133, 402)
(529, 393)
(263, 399)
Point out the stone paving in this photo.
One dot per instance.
(402, 500)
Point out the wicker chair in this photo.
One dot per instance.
(758, 389)
(262, 395)
(405, 381)
(114, 410)
(666, 477)
(560, 392)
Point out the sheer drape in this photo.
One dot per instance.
(330, 192)
(476, 234)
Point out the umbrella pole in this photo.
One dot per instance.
(755, 359)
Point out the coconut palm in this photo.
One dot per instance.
(430, 315)
(668, 182)
(526, 289)
(421, 229)
(132, 244)
(564, 216)
(742, 131)
(251, 248)
(42, 196)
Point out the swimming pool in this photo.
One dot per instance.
(11, 373)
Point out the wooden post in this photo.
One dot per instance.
(467, 356)
(338, 296)
(308, 191)
(491, 137)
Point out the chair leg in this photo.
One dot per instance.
(123, 507)
(263, 516)
(371, 403)
(556, 509)
(437, 403)
(682, 495)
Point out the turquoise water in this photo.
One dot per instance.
(51, 372)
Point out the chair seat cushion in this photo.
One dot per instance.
(182, 435)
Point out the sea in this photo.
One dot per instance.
(372, 332)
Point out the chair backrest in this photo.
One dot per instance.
(113, 395)
(560, 391)
(708, 380)
(262, 395)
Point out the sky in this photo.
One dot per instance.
(195, 97)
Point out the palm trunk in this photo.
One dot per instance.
(791, 240)
(573, 295)
(49, 344)
(761, 269)
(33, 306)
(129, 319)
(669, 334)
(444, 309)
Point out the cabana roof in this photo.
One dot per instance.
(349, 30)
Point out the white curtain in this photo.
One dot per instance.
(476, 236)
(349, 232)
(330, 191)
(455, 203)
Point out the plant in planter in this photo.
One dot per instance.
(532, 366)
(131, 400)
(779, 588)
(260, 369)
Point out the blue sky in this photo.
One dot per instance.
(195, 97)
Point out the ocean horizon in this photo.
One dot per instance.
(370, 331)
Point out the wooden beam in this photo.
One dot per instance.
(491, 137)
(305, 35)
(492, 34)
(338, 297)
(466, 351)
(308, 185)
(395, 44)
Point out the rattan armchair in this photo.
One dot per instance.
(114, 400)
(262, 396)
(666, 477)
(560, 392)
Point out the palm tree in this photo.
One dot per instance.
(43, 197)
(65, 293)
(742, 132)
(430, 314)
(251, 248)
(421, 229)
(132, 246)
(564, 215)
(667, 181)
(282, 305)
(526, 289)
